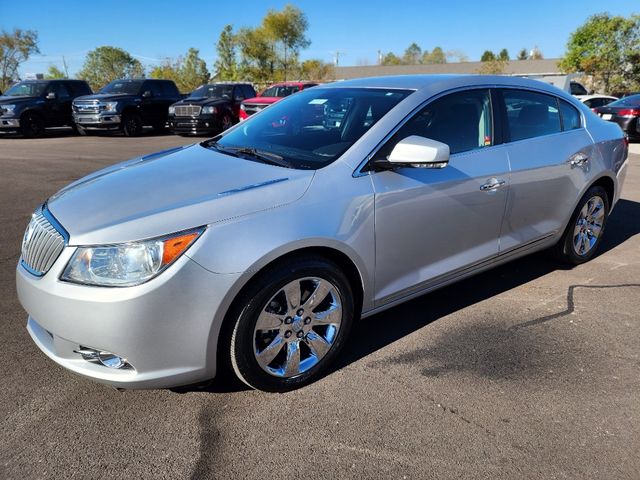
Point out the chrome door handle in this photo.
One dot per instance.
(492, 184)
(578, 160)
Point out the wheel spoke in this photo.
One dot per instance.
(317, 344)
(268, 321)
(266, 356)
(292, 293)
(292, 365)
(332, 315)
(319, 294)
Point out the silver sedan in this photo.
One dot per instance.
(258, 249)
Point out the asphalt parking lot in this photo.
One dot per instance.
(527, 371)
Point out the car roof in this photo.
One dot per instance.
(444, 82)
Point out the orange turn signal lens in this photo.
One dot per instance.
(174, 246)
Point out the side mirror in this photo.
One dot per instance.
(51, 96)
(147, 94)
(418, 152)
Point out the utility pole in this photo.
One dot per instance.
(66, 70)
(336, 56)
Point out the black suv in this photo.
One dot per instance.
(127, 106)
(209, 109)
(30, 106)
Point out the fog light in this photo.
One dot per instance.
(110, 360)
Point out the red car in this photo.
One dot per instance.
(275, 92)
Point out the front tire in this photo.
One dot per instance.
(584, 232)
(132, 124)
(290, 324)
(32, 125)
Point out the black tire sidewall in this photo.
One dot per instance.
(28, 121)
(241, 344)
(126, 118)
(567, 252)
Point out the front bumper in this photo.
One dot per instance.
(202, 125)
(102, 121)
(9, 124)
(166, 328)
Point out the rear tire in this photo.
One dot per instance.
(583, 234)
(289, 325)
(32, 125)
(132, 124)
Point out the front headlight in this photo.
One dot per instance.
(110, 106)
(8, 109)
(209, 109)
(172, 110)
(127, 264)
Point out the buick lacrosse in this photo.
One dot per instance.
(259, 248)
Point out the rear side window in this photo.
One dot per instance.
(249, 92)
(578, 89)
(170, 89)
(570, 116)
(531, 114)
(462, 120)
(78, 88)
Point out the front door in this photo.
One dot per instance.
(432, 223)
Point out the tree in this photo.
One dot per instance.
(457, 55)
(287, 30)
(257, 55)
(536, 54)
(54, 72)
(412, 54)
(494, 66)
(226, 66)
(436, 56)
(105, 64)
(487, 56)
(523, 54)
(504, 55)
(315, 69)
(193, 71)
(15, 48)
(391, 59)
(608, 48)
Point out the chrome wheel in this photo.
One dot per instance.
(588, 225)
(226, 122)
(297, 327)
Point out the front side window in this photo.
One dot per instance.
(461, 120)
(531, 114)
(26, 89)
(280, 91)
(570, 116)
(311, 129)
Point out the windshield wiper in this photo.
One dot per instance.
(261, 155)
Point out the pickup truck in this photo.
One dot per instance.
(126, 106)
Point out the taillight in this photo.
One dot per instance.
(594, 110)
(629, 112)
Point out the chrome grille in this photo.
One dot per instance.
(87, 106)
(251, 108)
(42, 244)
(188, 110)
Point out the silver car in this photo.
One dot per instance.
(258, 249)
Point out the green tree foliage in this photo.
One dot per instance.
(436, 56)
(315, 69)
(187, 72)
(15, 48)
(504, 55)
(391, 59)
(494, 66)
(54, 73)
(286, 30)
(523, 54)
(257, 55)
(412, 55)
(487, 56)
(226, 66)
(105, 64)
(608, 48)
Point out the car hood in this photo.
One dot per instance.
(202, 101)
(16, 100)
(263, 100)
(107, 96)
(171, 191)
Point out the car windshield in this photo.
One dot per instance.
(26, 89)
(280, 91)
(217, 91)
(311, 129)
(122, 86)
(630, 101)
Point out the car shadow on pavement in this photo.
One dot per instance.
(374, 333)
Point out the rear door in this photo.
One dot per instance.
(57, 110)
(549, 154)
(433, 223)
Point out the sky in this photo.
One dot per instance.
(153, 30)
